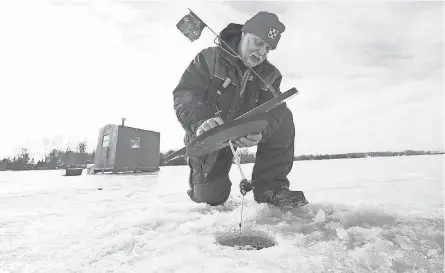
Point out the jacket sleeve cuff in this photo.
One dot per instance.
(194, 126)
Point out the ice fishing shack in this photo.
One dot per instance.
(126, 149)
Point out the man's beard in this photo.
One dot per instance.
(249, 58)
(252, 60)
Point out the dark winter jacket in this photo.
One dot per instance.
(196, 97)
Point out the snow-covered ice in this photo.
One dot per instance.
(365, 215)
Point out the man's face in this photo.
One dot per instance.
(253, 49)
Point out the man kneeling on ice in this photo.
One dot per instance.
(218, 87)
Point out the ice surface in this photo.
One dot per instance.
(365, 215)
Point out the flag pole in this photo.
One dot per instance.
(274, 92)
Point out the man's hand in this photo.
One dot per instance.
(248, 141)
(209, 124)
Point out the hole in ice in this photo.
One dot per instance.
(248, 240)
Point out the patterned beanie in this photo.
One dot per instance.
(265, 25)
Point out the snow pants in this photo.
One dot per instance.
(209, 175)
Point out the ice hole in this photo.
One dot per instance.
(247, 240)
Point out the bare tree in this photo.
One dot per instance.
(68, 146)
(24, 155)
(82, 147)
(81, 157)
(52, 145)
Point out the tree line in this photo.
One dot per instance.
(249, 157)
(55, 159)
(61, 158)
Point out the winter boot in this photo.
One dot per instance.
(282, 198)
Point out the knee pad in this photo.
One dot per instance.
(214, 191)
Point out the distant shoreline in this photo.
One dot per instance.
(364, 155)
(245, 158)
(250, 157)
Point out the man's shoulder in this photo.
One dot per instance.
(210, 56)
(211, 51)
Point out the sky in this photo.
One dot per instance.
(370, 75)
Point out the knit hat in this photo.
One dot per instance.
(265, 25)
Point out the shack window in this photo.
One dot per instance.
(135, 142)
(106, 141)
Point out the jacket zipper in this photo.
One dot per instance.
(236, 99)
